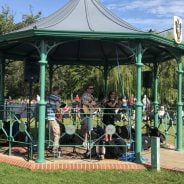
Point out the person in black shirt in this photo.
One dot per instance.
(109, 112)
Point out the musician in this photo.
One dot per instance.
(88, 104)
(53, 116)
(109, 112)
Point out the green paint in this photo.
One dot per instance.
(138, 105)
(155, 153)
(2, 76)
(92, 35)
(156, 95)
(42, 104)
(179, 107)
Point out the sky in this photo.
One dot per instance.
(143, 14)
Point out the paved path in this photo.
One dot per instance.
(169, 159)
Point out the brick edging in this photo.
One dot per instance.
(12, 160)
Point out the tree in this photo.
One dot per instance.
(14, 70)
(6, 20)
(28, 19)
(72, 79)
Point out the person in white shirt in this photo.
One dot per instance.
(161, 112)
(146, 103)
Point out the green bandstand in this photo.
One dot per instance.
(84, 32)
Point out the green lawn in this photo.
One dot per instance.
(171, 135)
(15, 175)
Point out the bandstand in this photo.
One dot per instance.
(84, 32)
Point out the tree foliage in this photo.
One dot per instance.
(14, 78)
(6, 20)
(28, 19)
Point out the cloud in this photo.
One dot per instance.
(147, 14)
(150, 23)
(159, 8)
(169, 10)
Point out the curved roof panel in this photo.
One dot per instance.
(83, 15)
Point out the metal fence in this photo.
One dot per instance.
(19, 127)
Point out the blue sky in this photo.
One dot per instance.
(144, 14)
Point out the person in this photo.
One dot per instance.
(132, 101)
(146, 108)
(109, 112)
(53, 110)
(77, 98)
(88, 104)
(75, 111)
(124, 107)
(37, 98)
(66, 111)
(161, 113)
(146, 103)
(124, 102)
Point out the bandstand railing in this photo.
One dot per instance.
(17, 130)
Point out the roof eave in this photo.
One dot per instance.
(17, 35)
(96, 35)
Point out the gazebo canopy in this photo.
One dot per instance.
(87, 33)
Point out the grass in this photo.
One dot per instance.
(10, 174)
(15, 175)
(171, 135)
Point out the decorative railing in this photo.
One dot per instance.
(20, 124)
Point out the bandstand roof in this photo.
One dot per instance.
(87, 33)
(85, 16)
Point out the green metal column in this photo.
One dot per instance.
(155, 153)
(179, 107)
(138, 105)
(2, 75)
(42, 104)
(156, 95)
